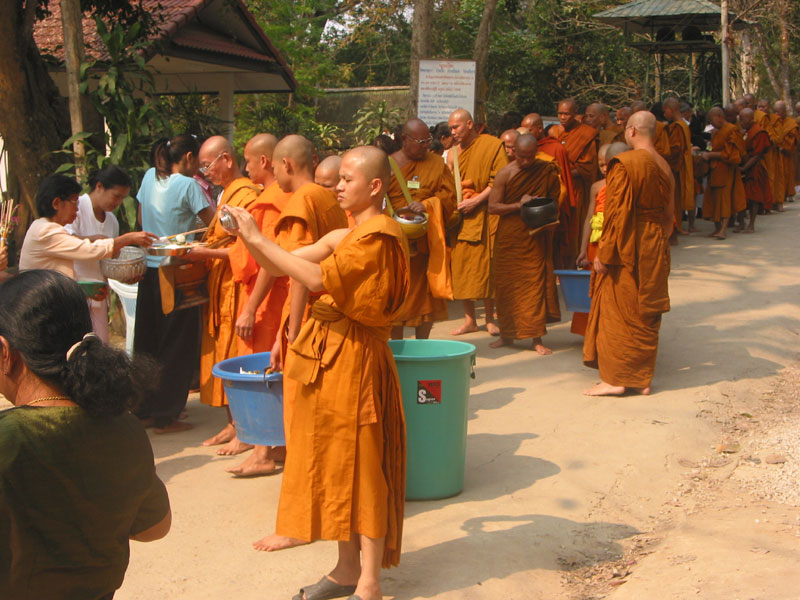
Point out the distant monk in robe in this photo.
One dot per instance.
(263, 296)
(724, 194)
(509, 136)
(327, 172)
(796, 159)
(629, 285)
(623, 114)
(681, 162)
(777, 133)
(219, 339)
(526, 285)
(597, 115)
(426, 185)
(787, 148)
(311, 212)
(475, 160)
(567, 200)
(580, 142)
(757, 188)
(344, 478)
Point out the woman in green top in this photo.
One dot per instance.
(77, 478)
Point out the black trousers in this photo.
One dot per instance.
(173, 340)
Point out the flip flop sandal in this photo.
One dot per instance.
(324, 589)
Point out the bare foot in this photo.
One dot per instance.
(540, 347)
(234, 447)
(749, 230)
(645, 391)
(492, 328)
(500, 343)
(274, 542)
(465, 328)
(174, 427)
(604, 389)
(223, 437)
(148, 422)
(277, 453)
(719, 236)
(681, 232)
(692, 229)
(256, 465)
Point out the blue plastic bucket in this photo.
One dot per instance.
(575, 289)
(255, 400)
(434, 378)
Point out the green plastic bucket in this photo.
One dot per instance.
(434, 377)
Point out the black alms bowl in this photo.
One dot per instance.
(538, 212)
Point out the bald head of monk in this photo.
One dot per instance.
(363, 181)
(509, 136)
(637, 105)
(640, 129)
(686, 111)
(416, 139)
(615, 149)
(780, 108)
(763, 105)
(217, 161)
(293, 162)
(623, 114)
(672, 109)
(535, 125)
(597, 116)
(527, 120)
(258, 158)
(750, 100)
(716, 116)
(327, 172)
(746, 118)
(739, 104)
(567, 113)
(731, 113)
(525, 149)
(601, 157)
(462, 127)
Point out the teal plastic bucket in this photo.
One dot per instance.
(575, 288)
(255, 399)
(434, 377)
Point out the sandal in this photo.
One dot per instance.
(324, 589)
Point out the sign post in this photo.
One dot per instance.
(444, 86)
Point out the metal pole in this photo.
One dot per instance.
(726, 67)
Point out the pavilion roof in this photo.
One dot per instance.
(647, 16)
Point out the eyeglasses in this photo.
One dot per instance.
(427, 140)
(204, 170)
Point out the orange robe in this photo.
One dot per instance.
(610, 134)
(580, 142)
(266, 210)
(724, 194)
(431, 279)
(345, 471)
(756, 180)
(627, 302)
(219, 316)
(788, 149)
(581, 319)
(680, 139)
(661, 140)
(566, 202)
(527, 298)
(471, 257)
(775, 165)
(310, 213)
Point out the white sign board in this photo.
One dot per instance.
(445, 85)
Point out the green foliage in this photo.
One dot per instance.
(195, 113)
(374, 119)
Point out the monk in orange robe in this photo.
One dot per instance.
(327, 172)
(776, 133)
(724, 194)
(424, 185)
(345, 468)
(568, 198)
(598, 116)
(474, 159)
(526, 286)
(219, 340)
(787, 149)
(629, 284)
(580, 142)
(757, 188)
(680, 160)
(263, 296)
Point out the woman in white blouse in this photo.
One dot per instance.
(48, 245)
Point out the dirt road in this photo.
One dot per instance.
(566, 496)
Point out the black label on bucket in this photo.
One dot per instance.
(429, 391)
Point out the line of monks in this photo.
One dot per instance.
(320, 276)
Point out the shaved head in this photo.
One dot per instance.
(780, 108)
(416, 128)
(509, 136)
(258, 157)
(327, 172)
(522, 130)
(716, 116)
(296, 148)
(216, 144)
(616, 148)
(531, 119)
(568, 105)
(525, 142)
(416, 139)
(750, 100)
(643, 121)
(672, 102)
(525, 148)
(461, 114)
(731, 113)
(218, 161)
(746, 117)
(637, 106)
(371, 161)
(263, 144)
(623, 114)
(716, 111)
(763, 105)
(462, 127)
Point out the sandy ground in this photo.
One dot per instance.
(566, 496)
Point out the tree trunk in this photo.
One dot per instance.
(73, 53)
(33, 121)
(420, 48)
(783, 26)
(481, 55)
